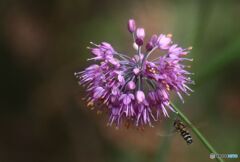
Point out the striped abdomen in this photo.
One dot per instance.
(186, 136)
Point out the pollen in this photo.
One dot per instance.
(169, 35)
(99, 112)
(168, 87)
(90, 104)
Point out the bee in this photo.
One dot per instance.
(181, 128)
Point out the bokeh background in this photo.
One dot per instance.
(43, 42)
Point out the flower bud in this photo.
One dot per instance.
(140, 34)
(149, 46)
(136, 71)
(152, 42)
(131, 85)
(135, 46)
(131, 25)
(140, 96)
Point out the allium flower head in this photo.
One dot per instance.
(136, 89)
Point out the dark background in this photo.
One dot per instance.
(43, 42)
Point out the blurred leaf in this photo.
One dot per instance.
(217, 63)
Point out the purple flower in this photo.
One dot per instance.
(104, 51)
(135, 88)
(126, 98)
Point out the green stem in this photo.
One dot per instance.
(197, 132)
(147, 55)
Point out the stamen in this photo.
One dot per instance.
(169, 35)
(90, 104)
(94, 44)
(168, 87)
(99, 112)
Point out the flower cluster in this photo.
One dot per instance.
(136, 89)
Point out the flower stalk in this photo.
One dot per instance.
(197, 132)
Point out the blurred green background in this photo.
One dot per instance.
(43, 42)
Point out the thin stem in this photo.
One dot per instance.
(139, 82)
(139, 55)
(133, 35)
(156, 59)
(147, 55)
(139, 50)
(197, 132)
(125, 57)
